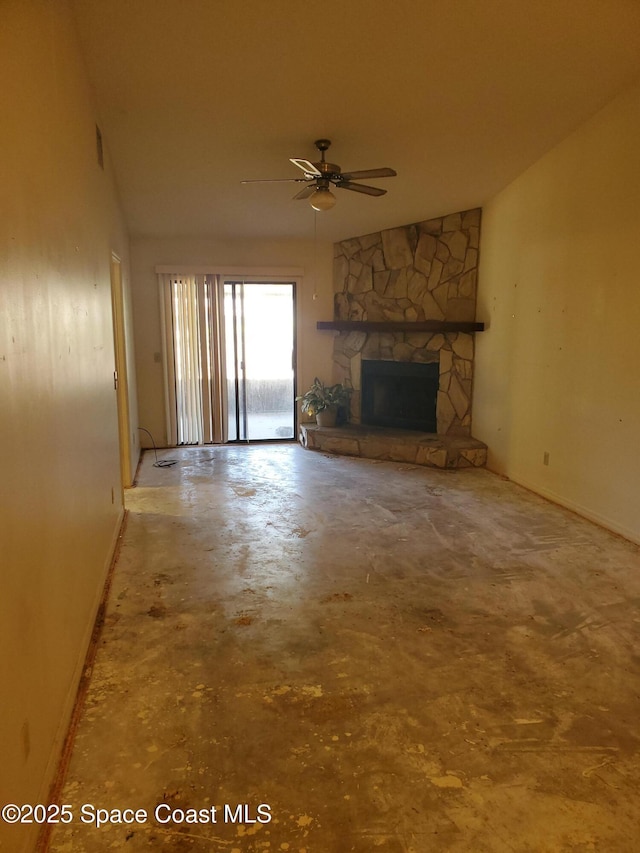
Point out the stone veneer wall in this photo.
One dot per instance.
(424, 271)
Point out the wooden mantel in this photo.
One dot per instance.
(399, 326)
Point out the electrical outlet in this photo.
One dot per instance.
(545, 458)
(113, 496)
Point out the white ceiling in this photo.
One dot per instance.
(459, 96)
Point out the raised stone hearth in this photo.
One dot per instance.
(396, 445)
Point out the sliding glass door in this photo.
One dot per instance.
(259, 350)
(230, 356)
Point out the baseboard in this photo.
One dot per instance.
(601, 520)
(63, 742)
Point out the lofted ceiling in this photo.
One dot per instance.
(459, 96)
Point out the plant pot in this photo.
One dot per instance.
(327, 417)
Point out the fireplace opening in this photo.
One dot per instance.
(400, 394)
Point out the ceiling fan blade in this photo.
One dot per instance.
(307, 167)
(371, 173)
(360, 188)
(306, 192)
(275, 181)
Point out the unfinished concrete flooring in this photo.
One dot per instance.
(390, 658)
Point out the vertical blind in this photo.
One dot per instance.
(188, 367)
(195, 404)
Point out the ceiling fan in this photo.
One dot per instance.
(320, 176)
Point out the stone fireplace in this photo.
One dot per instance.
(405, 304)
(421, 272)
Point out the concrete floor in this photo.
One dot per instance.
(391, 658)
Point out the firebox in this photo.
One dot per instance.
(400, 394)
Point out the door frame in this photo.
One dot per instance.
(121, 381)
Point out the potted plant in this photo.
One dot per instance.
(323, 401)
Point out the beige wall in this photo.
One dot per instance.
(314, 302)
(60, 484)
(558, 370)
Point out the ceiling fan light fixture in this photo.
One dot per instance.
(322, 199)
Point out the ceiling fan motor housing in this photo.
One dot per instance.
(330, 170)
